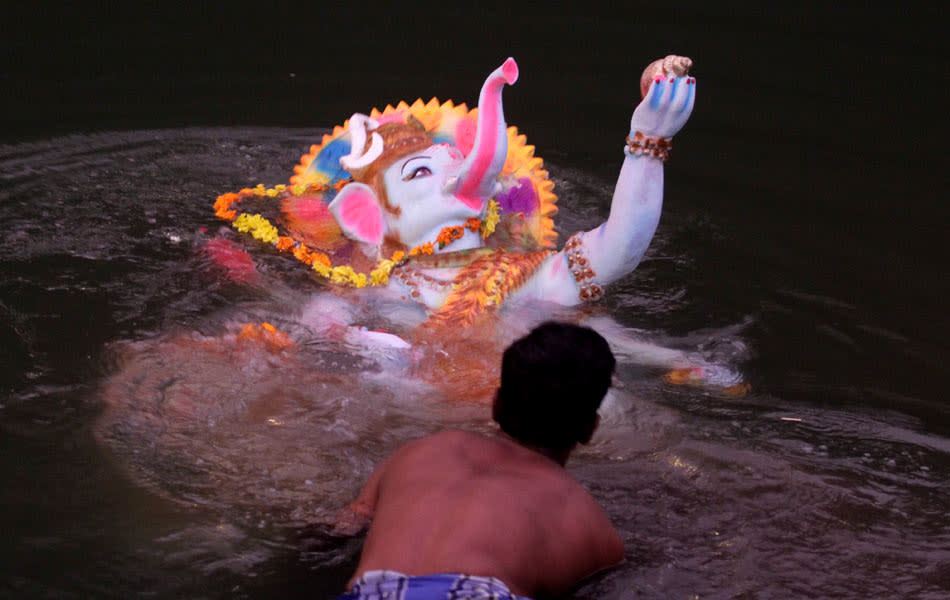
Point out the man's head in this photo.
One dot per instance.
(552, 383)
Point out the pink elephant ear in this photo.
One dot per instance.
(357, 211)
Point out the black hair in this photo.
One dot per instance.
(552, 383)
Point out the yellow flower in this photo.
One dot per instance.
(491, 219)
(271, 193)
(257, 226)
(380, 275)
(343, 274)
(298, 189)
(321, 269)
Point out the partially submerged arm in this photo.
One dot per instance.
(332, 317)
(356, 516)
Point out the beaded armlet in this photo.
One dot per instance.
(581, 269)
(654, 147)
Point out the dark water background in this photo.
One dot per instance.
(804, 224)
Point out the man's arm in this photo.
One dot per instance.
(603, 546)
(353, 518)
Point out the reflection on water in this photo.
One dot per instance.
(145, 447)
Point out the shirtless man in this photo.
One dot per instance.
(501, 510)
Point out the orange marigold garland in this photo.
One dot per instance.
(262, 229)
(484, 285)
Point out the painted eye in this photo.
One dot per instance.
(418, 172)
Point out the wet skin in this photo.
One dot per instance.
(458, 502)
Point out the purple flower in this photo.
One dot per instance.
(520, 198)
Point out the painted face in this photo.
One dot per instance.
(414, 185)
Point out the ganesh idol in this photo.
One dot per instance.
(435, 219)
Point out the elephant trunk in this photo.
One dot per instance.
(478, 176)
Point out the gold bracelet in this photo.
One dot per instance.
(641, 145)
(580, 268)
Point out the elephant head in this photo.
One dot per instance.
(406, 187)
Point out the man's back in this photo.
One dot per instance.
(458, 502)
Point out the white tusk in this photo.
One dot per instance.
(359, 125)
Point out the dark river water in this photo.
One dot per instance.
(801, 247)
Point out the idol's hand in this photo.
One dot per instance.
(666, 106)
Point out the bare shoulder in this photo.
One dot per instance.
(445, 445)
(593, 525)
(449, 438)
(455, 436)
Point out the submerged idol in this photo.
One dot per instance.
(449, 207)
(447, 210)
